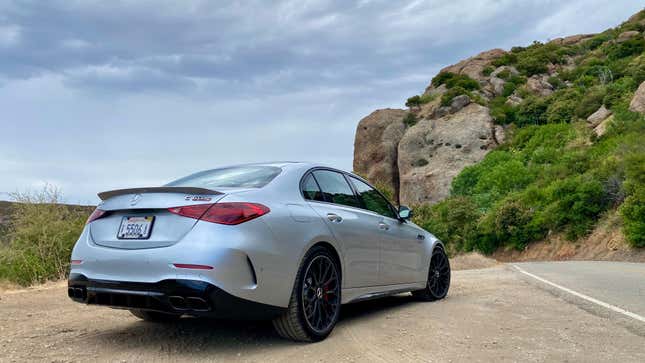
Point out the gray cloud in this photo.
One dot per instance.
(98, 94)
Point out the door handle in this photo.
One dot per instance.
(383, 226)
(334, 217)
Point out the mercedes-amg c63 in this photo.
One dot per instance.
(286, 241)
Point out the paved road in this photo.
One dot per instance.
(621, 284)
(494, 314)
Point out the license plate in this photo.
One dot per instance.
(135, 227)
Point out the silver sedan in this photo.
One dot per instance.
(285, 241)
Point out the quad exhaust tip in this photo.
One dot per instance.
(188, 303)
(76, 293)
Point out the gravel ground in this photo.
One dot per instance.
(490, 314)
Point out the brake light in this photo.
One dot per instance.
(98, 213)
(223, 213)
(191, 211)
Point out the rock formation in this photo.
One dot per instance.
(638, 102)
(375, 147)
(434, 151)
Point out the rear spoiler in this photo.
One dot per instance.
(182, 190)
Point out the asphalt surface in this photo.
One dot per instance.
(621, 284)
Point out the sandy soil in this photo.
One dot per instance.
(490, 314)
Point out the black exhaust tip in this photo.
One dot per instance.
(76, 293)
(177, 302)
(197, 304)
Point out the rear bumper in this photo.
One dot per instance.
(176, 296)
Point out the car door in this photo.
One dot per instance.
(356, 229)
(401, 255)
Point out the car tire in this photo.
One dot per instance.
(438, 281)
(155, 316)
(309, 297)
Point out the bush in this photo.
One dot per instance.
(562, 106)
(487, 71)
(590, 102)
(619, 91)
(636, 69)
(627, 48)
(410, 119)
(633, 209)
(42, 235)
(447, 97)
(505, 59)
(532, 111)
(453, 221)
(511, 223)
(575, 204)
(452, 80)
(417, 100)
(633, 214)
(503, 113)
(413, 101)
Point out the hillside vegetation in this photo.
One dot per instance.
(554, 172)
(37, 236)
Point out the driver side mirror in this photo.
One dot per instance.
(405, 213)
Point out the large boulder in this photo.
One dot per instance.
(375, 147)
(625, 36)
(434, 151)
(474, 66)
(599, 116)
(539, 85)
(638, 102)
(571, 39)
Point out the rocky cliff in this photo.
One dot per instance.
(464, 113)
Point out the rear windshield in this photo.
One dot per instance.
(252, 176)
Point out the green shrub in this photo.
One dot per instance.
(532, 111)
(598, 40)
(453, 220)
(562, 106)
(487, 70)
(503, 113)
(417, 100)
(505, 59)
(633, 209)
(575, 204)
(447, 97)
(43, 233)
(627, 48)
(410, 119)
(633, 214)
(511, 223)
(556, 82)
(413, 101)
(452, 80)
(619, 91)
(636, 69)
(590, 102)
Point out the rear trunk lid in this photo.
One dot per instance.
(165, 228)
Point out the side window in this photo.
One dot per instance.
(335, 188)
(310, 189)
(372, 199)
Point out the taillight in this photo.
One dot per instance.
(223, 213)
(191, 211)
(98, 213)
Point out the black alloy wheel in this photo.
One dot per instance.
(315, 302)
(438, 277)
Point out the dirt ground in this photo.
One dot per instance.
(490, 314)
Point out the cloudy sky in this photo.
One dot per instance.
(98, 95)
